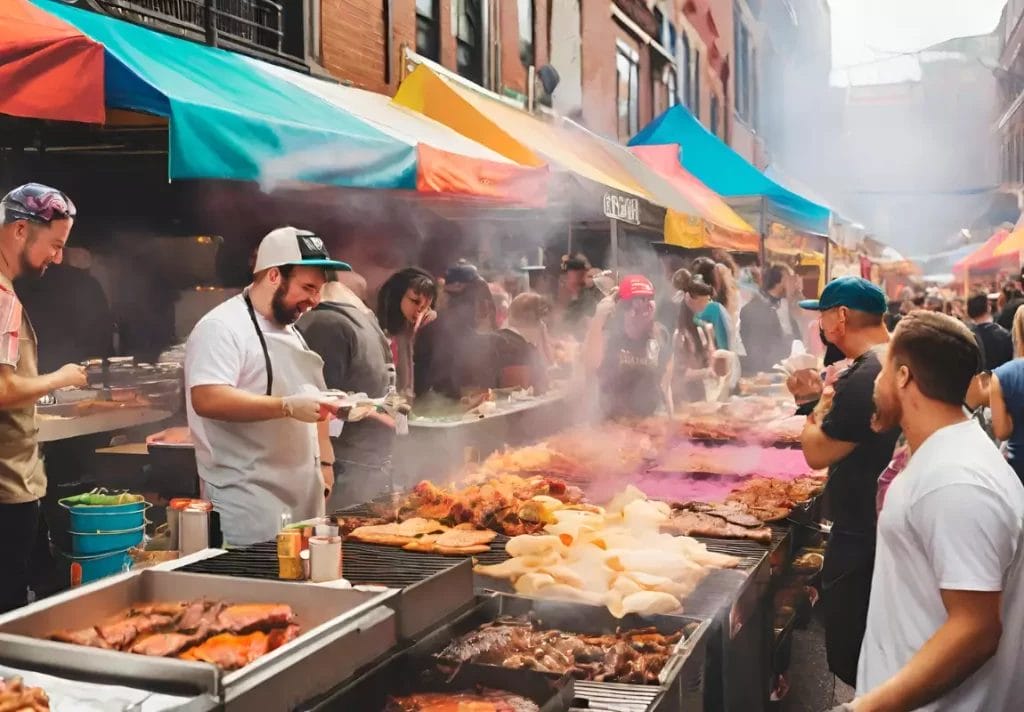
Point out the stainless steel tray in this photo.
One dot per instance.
(342, 630)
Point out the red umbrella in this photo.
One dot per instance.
(48, 69)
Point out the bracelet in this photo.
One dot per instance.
(326, 464)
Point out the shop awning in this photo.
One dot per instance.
(1014, 244)
(530, 139)
(48, 69)
(984, 258)
(730, 232)
(726, 172)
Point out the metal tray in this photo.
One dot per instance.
(342, 632)
(680, 682)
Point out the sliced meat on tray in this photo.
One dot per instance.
(721, 521)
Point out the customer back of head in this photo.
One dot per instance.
(995, 342)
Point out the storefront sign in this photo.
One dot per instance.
(618, 207)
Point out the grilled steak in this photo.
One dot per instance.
(86, 636)
(165, 645)
(231, 652)
(720, 521)
(254, 616)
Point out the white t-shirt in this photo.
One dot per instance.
(224, 350)
(952, 520)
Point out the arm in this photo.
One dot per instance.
(323, 437)
(20, 391)
(666, 386)
(593, 342)
(968, 638)
(220, 402)
(820, 450)
(1002, 423)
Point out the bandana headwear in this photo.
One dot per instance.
(36, 202)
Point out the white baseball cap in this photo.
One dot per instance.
(292, 246)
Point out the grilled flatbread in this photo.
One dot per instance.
(459, 538)
(461, 550)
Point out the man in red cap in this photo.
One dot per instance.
(630, 352)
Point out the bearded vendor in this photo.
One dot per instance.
(254, 390)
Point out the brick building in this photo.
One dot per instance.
(1010, 73)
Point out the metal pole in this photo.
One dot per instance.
(615, 245)
(211, 22)
(764, 230)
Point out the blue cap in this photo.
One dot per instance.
(854, 293)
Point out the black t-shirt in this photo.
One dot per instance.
(1005, 317)
(579, 310)
(631, 372)
(996, 344)
(853, 481)
(515, 351)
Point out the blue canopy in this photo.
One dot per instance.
(728, 173)
(229, 120)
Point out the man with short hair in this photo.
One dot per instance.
(946, 622)
(767, 327)
(356, 355)
(838, 435)
(35, 222)
(1013, 299)
(996, 342)
(254, 395)
(583, 300)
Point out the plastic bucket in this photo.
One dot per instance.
(93, 568)
(106, 518)
(89, 543)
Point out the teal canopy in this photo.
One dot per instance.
(726, 172)
(229, 120)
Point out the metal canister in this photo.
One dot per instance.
(289, 543)
(193, 529)
(324, 558)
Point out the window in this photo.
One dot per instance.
(469, 52)
(714, 114)
(695, 100)
(627, 69)
(427, 29)
(746, 70)
(666, 90)
(313, 38)
(526, 28)
(684, 69)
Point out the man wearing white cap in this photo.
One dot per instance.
(254, 394)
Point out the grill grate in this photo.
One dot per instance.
(364, 564)
(616, 697)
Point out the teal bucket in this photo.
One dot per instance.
(90, 543)
(95, 567)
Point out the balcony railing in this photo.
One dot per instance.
(255, 27)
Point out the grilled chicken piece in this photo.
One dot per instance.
(120, 633)
(231, 652)
(482, 701)
(16, 696)
(253, 616)
(165, 645)
(89, 637)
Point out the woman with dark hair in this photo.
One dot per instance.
(405, 304)
(694, 345)
(700, 299)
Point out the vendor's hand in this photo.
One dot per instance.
(69, 375)
(304, 408)
(824, 405)
(805, 385)
(176, 436)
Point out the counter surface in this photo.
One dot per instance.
(62, 428)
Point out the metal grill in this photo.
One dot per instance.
(364, 564)
(615, 697)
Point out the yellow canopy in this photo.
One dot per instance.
(531, 140)
(1014, 243)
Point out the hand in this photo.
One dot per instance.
(604, 309)
(824, 404)
(71, 374)
(805, 385)
(176, 436)
(426, 316)
(304, 408)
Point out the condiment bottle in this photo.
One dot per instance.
(325, 558)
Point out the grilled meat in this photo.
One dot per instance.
(16, 696)
(254, 616)
(208, 631)
(483, 701)
(635, 656)
(729, 521)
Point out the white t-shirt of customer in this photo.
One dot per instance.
(952, 520)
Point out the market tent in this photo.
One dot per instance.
(447, 161)
(726, 172)
(523, 137)
(1014, 244)
(733, 233)
(984, 258)
(48, 69)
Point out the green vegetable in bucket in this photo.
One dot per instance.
(98, 498)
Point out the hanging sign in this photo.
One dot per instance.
(619, 207)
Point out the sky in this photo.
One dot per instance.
(864, 30)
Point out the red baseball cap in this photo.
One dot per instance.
(635, 285)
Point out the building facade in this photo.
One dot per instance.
(1010, 125)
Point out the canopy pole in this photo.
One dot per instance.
(763, 218)
(615, 245)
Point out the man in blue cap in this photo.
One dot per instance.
(838, 435)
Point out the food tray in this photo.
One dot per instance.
(680, 682)
(408, 672)
(342, 631)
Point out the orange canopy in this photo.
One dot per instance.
(48, 69)
(985, 258)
